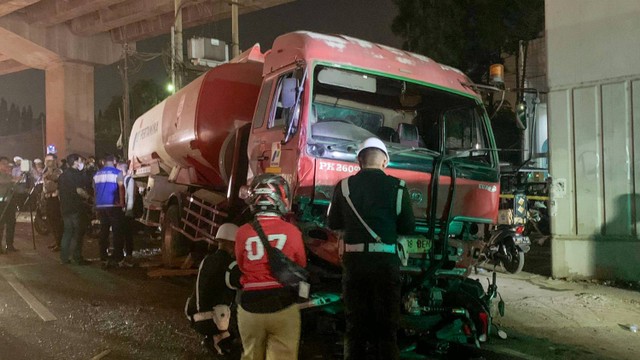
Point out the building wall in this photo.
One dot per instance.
(593, 73)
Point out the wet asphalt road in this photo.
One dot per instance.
(115, 313)
(93, 313)
(111, 314)
(120, 313)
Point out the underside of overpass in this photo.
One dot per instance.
(66, 38)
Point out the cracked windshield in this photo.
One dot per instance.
(411, 119)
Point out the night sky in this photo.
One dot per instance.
(365, 19)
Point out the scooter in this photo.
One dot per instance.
(506, 246)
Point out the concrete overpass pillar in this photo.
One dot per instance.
(69, 108)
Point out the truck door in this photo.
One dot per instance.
(468, 142)
(276, 114)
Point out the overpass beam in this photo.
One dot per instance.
(69, 108)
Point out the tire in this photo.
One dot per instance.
(174, 244)
(93, 228)
(40, 223)
(516, 259)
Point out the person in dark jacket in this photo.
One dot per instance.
(7, 206)
(209, 308)
(74, 198)
(371, 276)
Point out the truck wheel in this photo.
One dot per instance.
(174, 244)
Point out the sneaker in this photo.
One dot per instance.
(10, 248)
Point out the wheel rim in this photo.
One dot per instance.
(513, 265)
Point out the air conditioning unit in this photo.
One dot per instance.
(207, 51)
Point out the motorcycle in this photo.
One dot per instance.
(441, 307)
(41, 224)
(36, 202)
(506, 246)
(40, 216)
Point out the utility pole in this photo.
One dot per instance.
(176, 47)
(125, 103)
(235, 36)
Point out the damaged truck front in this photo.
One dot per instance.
(300, 111)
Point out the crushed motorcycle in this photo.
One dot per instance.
(442, 307)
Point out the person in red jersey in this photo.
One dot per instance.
(268, 316)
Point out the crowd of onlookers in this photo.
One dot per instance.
(74, 191)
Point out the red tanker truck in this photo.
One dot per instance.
(300, 110)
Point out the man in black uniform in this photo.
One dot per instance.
(73, 203)
(372, 208)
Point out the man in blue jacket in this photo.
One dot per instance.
(108, 185)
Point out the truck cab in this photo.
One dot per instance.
(324, 94)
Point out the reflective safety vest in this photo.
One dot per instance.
(106, 184)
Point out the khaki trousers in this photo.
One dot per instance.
(274, 335)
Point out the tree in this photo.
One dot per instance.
(14, 119)
(107, 127)
(145, 94)
(31, 122)
(4, 117)
(25, 123)
(471, 35)
(468, 34)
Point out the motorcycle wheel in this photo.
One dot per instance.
(40, 224)
(516, 259)
(93, 229)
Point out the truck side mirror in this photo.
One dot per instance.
(288, 94)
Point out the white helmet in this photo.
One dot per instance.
(227, 231)
(373, 142)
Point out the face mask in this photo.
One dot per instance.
(80, 166)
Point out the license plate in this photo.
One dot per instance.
(417, 244)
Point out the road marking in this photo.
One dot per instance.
(28, 297)
(101, 355)
(18, 265)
